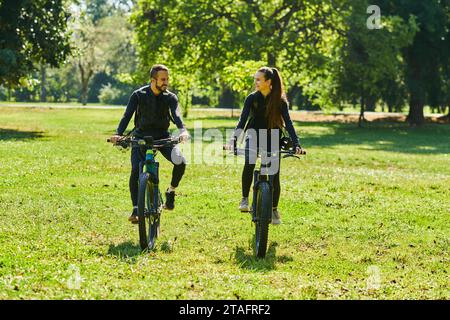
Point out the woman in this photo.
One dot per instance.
(266, 108)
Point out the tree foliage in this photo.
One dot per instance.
(31, 32)
(212, 36)
(102, 36)
(370, 61)
(427, 58)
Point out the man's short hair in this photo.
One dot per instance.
(157, 67)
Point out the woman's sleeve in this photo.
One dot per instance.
(244, 116)
(289, 126)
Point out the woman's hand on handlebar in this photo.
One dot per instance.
(300, 151)
(230, 145)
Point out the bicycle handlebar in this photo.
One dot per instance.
(290, 153)
(147, 141)
(287, 154)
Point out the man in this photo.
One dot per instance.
(154, 106)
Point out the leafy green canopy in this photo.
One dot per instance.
(31, 32)
(202, 39)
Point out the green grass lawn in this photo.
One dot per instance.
(365, 216)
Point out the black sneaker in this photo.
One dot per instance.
(170, 200)
(134, 217)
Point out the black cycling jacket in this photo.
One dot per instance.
(255, 107)
(152, 112)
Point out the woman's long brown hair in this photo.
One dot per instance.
(277, 95)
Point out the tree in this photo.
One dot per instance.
(393, 93)
(370, 57)
(89, 40)
(32, 32)
(103, 42)
(214, 34)
(428, 52)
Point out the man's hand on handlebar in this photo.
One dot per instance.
(184, 136)
(115, 139)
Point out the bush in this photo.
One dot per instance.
(112, 95)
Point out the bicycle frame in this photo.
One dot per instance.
(151, 166)
(149, 198)
(262, 194)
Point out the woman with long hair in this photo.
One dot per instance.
(265, 110)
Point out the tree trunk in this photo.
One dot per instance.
(292, 92)
(415, 115)
(226, 98)
(43, 83)
(416, 87)
(361, 113)
(84, 92)
(370, 103)
(271, 59)
(390, 107)
(85, 77)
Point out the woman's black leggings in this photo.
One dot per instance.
(247, 177)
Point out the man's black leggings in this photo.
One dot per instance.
(247, 177)
(172, 154)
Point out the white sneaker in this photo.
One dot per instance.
(243, 206)
(276, 218)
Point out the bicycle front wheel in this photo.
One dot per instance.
(263, 218)
(154, 217)
(144, 198)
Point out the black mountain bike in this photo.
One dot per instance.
(150, 201)
(262, 197)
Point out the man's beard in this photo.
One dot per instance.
(161, 88)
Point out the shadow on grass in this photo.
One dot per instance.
(11, 134)
(379, 136)
(125, 250)
(251, 262)
(383, 136)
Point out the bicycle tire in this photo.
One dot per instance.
(154, 219)
(263, 218)
(143, 209)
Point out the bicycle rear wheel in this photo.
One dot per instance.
(263, 218)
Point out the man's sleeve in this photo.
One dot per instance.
(175, 111)
(288, 122)
(129, 111)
